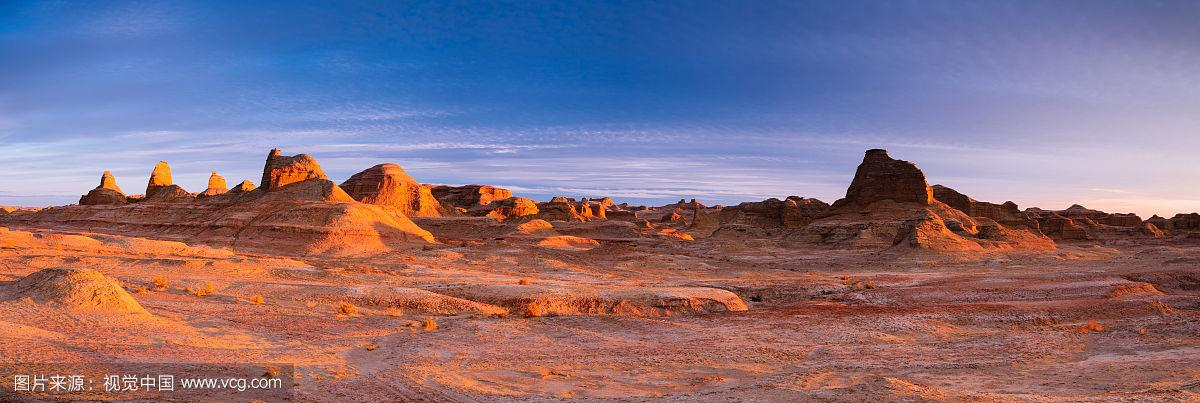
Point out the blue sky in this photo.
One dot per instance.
(1043, 103)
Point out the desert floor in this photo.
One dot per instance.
(1112, 322)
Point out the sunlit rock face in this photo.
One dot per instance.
(390, 185)
(107, 193)
(216, 185)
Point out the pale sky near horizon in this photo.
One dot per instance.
(1046, 104)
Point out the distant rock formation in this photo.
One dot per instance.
(1185, 222)
(298, 177)
(469, 196)
(703, 224)
(244, 187)
(591, 210)
(889, 204)
(558, 211)
(1008, 213)
(390, 185)
(507, 209)
(160, 188)
(880, 177)
(281, 171)
(1081, 223)
(793, 212)
(159, 177)
(216, 186)
(106, 194)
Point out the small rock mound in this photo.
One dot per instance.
(567, 242)
(390, 185)
(216, 185)
(108, 193)
(536, 227)
(75, 289)
(244, 187)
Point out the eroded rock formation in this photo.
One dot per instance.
(558, 211)
(889, 204)
(880, 177)
(793, 212)
(107, 193)
(1081, 223)
(216, 186)
(469, 196)
(390, 185)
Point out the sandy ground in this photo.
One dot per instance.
(429, 323)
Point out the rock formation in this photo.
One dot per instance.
(507, 209)
(793, 212)
(558, 211)
(1081, 223)
(703, 224)
(390, 185)
(880, 177)
(281, 171)
(1186, 222)
(161, 189)
(243, 187)
(1007, 214)
(469, 196)
(216, 186)
(159, 177)
(298, 177)
(106, 194)
(889, 204)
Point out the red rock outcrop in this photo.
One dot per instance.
(243, 187)
(160, 188)
(390, 185)
(216, 186)
(1186, 222)
(890, 205)
(558, 211)
(793, 212)
(469, 196)
(1008, 214)
(507, 209)
(880, 177)
(1160, 223)
(107, 193)
(281, 171)
(298, 177)
(160, 177)
(1081, 223)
